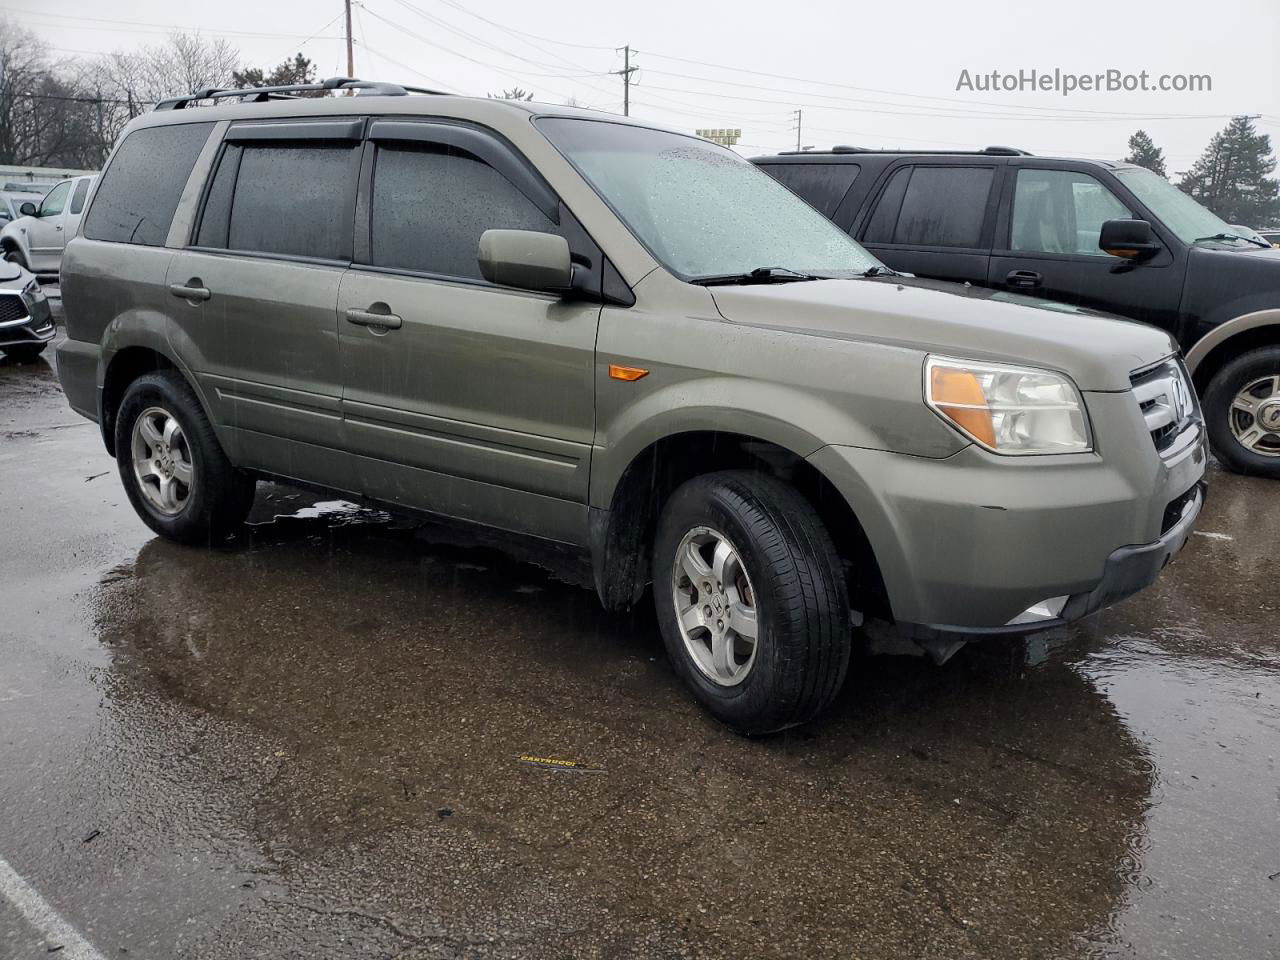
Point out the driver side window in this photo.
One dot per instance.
(1060, 211)
(55, 200)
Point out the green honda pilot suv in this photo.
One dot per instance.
(571, 326)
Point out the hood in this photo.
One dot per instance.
(12, 275)
(1096, 350)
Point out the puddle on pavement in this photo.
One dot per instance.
(381, 673)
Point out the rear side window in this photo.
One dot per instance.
(141, 188)
(431, 204)
(822, 185)
(77, 198)
(932, 207)
(282, 198)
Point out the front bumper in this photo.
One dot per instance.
(968, 545)
(37, 327)
(1128, 570)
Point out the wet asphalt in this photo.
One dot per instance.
(307, 745)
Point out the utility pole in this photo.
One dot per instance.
(351, 60)
(799, 115)
(626, 72)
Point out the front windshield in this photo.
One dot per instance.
(700, 209)
(1177, 211)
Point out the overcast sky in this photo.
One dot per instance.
(872, 74)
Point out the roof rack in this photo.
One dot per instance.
(290, 91)
(845, 148)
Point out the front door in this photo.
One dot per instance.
(46, 234)
(260, 290)
(1047, 246)
(470, 399)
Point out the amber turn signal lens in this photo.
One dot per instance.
(958, 395)
(619, 372)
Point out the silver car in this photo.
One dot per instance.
(37, 237)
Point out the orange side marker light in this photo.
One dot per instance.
(618, 372)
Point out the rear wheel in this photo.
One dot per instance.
(24, 352)
(1242, 411)
(751, 600)
(174, 470)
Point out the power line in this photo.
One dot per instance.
(138, 26)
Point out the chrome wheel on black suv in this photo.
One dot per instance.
(752, 600)
(1242, 411)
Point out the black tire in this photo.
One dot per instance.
(24, 352)
(1223, 388)
(15, 256)
(803, 641)
(219, 497)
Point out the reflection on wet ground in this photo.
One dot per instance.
(307, 745)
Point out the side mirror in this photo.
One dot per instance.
(1130, 239)
(526, 259)
(28, 209)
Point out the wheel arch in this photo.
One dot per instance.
(1229, 340)
(125, 365)
(622, 530)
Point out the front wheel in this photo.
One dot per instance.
(176, 474)
(751, 600)
(1242, 412)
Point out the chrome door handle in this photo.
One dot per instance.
(189, 293)
(367, 318)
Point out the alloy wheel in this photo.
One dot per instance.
(162, 461)
(715, 606)
(1255, 417)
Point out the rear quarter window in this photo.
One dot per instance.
(141, 188)
(821, 185)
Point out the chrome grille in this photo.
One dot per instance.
(1166, 399)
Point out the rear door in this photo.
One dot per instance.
(1047, 246)
(46, 233)
(934, 219)
(256, 293)
(473, 400)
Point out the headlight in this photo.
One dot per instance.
(1009, 410)
(32, 293)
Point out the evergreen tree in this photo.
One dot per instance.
(1233, 175)
(1144, 152)
(297, 69)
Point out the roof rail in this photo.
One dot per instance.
(288, 91)
(845, 148)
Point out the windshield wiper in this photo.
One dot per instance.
(758, 275)
(1232, 236)
(880, 271)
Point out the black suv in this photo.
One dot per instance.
(1110, 236)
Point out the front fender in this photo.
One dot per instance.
(1223, 332)
(14, 235)
(714, 404)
